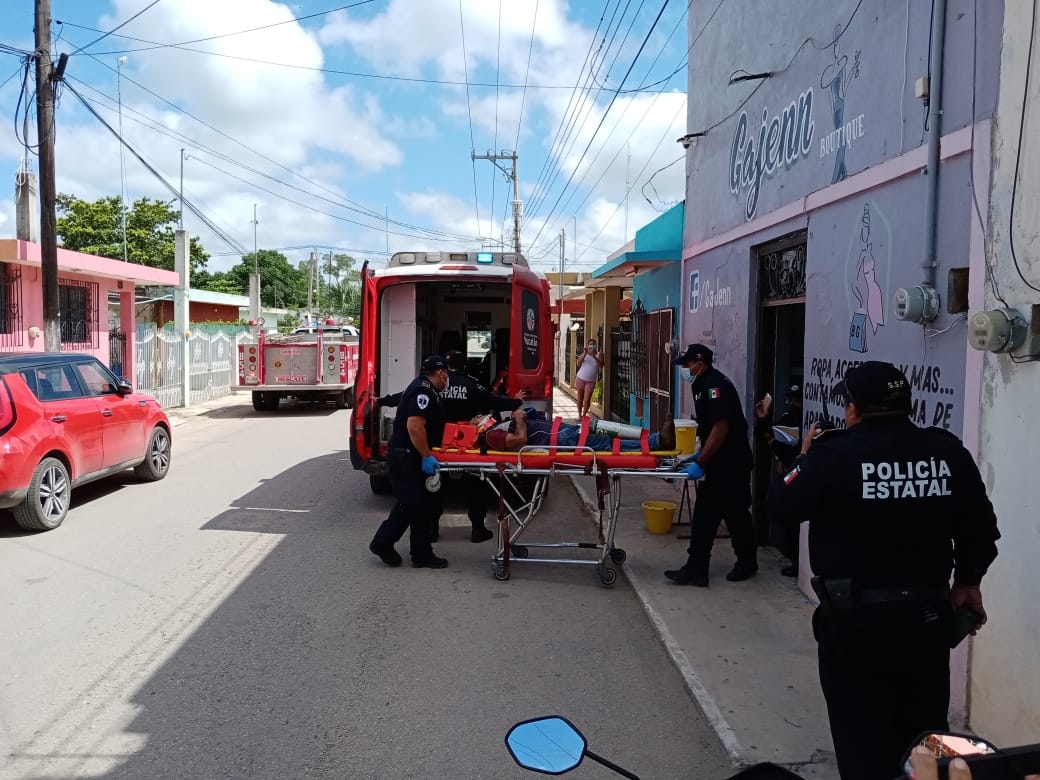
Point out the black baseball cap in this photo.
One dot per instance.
(456, 359)
(433, 363)
(693, 354)
(876, 387)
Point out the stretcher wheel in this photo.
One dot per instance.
(500, 573)
(518, 551)
(618, 556)
(607, 576)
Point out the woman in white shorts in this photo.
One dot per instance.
(590, 363)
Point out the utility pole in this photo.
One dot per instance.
(254, 287)
(518, 206)
(310, 286)
(559, 303)
(46, 74)
(122, 156)
(180, 219)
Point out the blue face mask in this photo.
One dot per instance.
(685, 375)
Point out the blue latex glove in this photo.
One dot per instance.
(689, 459)
(430, 465)
(694, 471)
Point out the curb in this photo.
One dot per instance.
(704, 700)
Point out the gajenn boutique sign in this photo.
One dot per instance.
(781, 141)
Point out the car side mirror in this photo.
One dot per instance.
(123, 387)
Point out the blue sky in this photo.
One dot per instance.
(319, 151)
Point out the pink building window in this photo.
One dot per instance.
(78, 304)
(10, 305)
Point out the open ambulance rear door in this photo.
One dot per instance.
(364, 419)
(531, 340)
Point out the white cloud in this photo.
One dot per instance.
(347, 138)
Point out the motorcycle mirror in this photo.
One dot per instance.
(947, 744)
(786, 435)
(550, 745)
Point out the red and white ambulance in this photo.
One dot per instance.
(490, 305)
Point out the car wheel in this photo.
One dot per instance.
(342, 401)
(380, 485)
(258, 401)
(157, 459)
(271, 401)
(47, 502)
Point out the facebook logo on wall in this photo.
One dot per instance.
(695, 290)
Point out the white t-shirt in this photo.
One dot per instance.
(589, 368)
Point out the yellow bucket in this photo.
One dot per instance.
(659, 516)
(686, 436)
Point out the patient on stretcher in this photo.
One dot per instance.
(527, 430)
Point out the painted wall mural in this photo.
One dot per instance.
(869, 278)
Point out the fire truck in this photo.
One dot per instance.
(309, 367)
(490, 305)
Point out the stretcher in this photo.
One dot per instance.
(520, 480)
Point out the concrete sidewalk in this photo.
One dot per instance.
(745, 650)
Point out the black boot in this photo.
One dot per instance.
(687, 576)
(480, 534)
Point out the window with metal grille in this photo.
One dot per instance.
(78, 305)
(10, 306)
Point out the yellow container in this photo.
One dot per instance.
(686, 436)
(659, 515)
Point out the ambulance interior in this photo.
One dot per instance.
(423, 318)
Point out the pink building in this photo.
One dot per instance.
(85, 282)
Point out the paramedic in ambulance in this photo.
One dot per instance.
(723, 464)
(527, 428)
(590, 363)
(463, 399)
(893, 510)
(418, 426)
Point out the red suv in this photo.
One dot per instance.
(65, 420)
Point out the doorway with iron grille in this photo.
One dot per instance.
(652, 372)
(779, 364)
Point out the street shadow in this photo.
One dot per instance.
(297, 671)
(81, 496)
(285, 409)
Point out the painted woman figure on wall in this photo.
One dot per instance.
(835, 81)
(871, 310)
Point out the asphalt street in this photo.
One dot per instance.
(229, 622)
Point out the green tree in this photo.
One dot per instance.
(281, 284)
(96, 228)
(218, 282)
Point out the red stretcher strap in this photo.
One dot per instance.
(584, 435)
(554, 433)
(626, 460)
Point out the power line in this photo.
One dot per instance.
(527, 73)
(566, 112)
(606, 112)
(117, 27)
(469, 112)
(619, 121)
(231, 242)
(617, 208)
(158, 127)
(338, 72)
(562, 140)
(209, 38)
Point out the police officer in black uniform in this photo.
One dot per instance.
(723, 463)
(892, 510)
(418, 426)
(462, 400)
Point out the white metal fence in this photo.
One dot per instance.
(210, 355)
